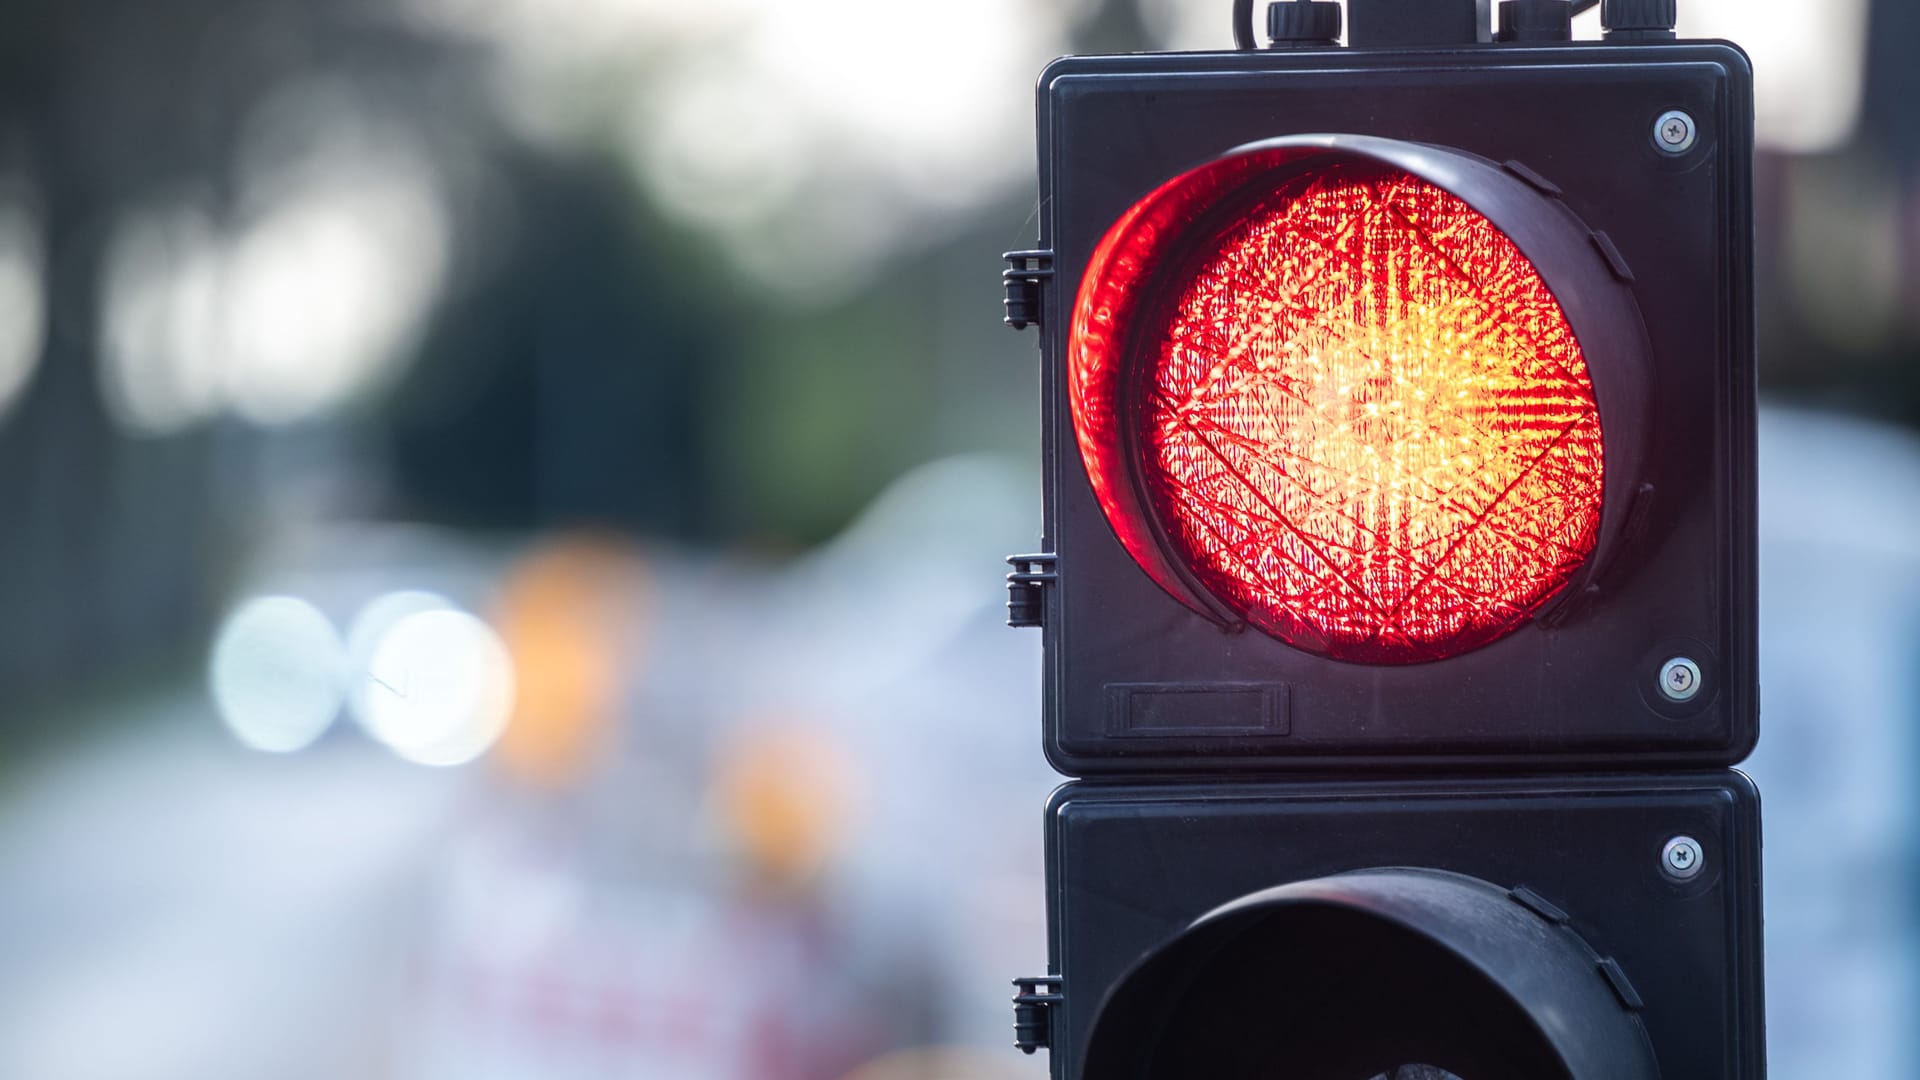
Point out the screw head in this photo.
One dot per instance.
(1679, 679)
(1674, 132)
(1682, 858)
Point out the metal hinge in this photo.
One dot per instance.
(1033, 1005)
(1024, 273)
(1026, 587)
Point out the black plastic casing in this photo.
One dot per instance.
(1138, 683)
(1130, 867)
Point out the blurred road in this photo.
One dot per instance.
(178, 907)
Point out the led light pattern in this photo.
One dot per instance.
(1365, 422)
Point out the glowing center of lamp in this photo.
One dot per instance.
(1365, 423)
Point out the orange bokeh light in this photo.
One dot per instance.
(1362, 419)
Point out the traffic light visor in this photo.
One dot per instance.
(1354, 974)
(1326, 395)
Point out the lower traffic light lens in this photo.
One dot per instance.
(1357, 413)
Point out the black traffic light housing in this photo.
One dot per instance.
(1524, 861)
(1136, 680)
(1230, 930)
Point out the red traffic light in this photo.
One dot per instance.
(1335, 398)
(1467, 441)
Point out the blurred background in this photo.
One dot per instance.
(501, 508)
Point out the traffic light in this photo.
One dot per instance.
(1398, 584)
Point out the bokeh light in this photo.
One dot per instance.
(441, 687)
(161, 354)
(277, 673)
(342, 249)
(370, 627)
(302, 296)
(23, 301)
(573, 612)
(785, 794)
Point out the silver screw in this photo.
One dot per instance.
(1679, 679)
(1682, 858)
(1674, 132)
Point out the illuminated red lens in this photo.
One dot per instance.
(1361, 418)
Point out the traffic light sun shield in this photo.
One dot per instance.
(1354, 974)
(1329, 386)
